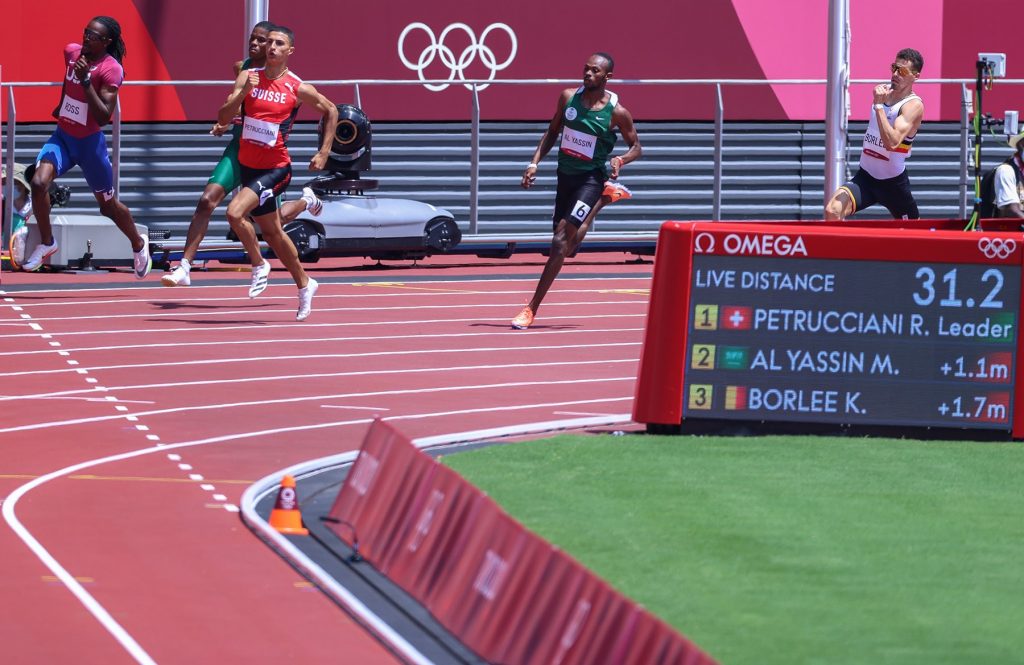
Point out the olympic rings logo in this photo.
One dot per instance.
(997, 248)
(456, 66)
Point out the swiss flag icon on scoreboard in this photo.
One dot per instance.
(737, 318)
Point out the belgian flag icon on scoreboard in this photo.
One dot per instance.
(735, 398)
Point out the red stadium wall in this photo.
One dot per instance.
(191, 39)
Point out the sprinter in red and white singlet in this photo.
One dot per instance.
(269, 98)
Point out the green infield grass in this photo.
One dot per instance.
(789, 550)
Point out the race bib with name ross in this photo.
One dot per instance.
(74, 110)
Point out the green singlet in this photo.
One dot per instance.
(587, 136)
(227, 173)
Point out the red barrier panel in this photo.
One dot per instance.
(502, 590)
(375, 497)
(551, 612)
(438, 533)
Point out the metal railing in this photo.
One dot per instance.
(474, 86)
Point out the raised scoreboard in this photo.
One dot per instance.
(833, 325)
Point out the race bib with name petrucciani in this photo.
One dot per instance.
(260, 131)
(578, 144)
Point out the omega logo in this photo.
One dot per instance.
(760, 245)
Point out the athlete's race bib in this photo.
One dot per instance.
(260, 131)
(578, 144)
(74, 110)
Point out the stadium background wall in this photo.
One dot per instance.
(650, 39)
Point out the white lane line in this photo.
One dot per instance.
(504, 331)
(317, 398)
(323, 375)
(348, 308)
(354, 408)
(324, 356)
(502, 322)
(406, 290)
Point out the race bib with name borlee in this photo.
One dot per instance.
(578, 144)
(260, 131)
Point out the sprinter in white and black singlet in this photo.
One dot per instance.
(587, 119)
(896, 115)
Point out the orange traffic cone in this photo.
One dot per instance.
(285, 517)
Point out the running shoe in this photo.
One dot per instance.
(524, 319)
(259, 279)
(180, 276)
(38, 255)
(143, 263)
(306, 299)
(313, 203)
(616, 191)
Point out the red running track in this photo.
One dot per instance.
(132, 418)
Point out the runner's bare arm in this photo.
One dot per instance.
(102, 102)
(907, 124)
(623, 120)
(310, 95)
(548, 139)
(243, 84)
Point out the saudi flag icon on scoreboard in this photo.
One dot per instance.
(734, 357)
(735, 398)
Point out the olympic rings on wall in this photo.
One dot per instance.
(456, 66)
(997, 248)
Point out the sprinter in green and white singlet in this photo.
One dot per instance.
(586, 119)
(587, 136)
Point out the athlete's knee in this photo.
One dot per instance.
(271, 232)
(209, 201)
(838, 207)
(109, 207)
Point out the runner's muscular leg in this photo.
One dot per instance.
(113, 208)
(840, 206)
(244, 202)
(211, 197)
(41, 180)
(284, 248)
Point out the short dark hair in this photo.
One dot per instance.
(914, 57)
(285, 31)
(265, 25)
(609, 59)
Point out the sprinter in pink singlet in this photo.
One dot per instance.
(92, 78)
(269, 98)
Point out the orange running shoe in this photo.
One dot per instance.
(524, 319)
(616, 191)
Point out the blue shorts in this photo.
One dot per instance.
(64, 151)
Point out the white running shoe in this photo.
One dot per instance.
(180, 276)
(38, 255)
(313, 203)
(259, 279)
(306, 300)
(143, 263)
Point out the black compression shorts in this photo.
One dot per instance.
(894, 193)
(576, 195)
(268, 185)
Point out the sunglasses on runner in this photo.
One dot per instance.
(92, 34)
(902, 70)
